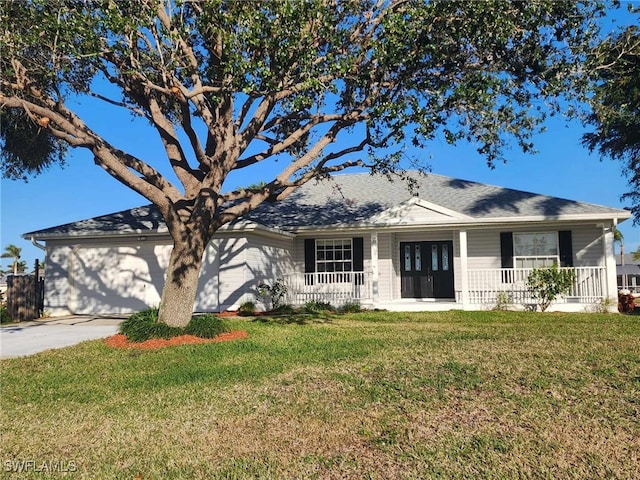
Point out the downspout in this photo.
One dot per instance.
(36, 244)
(41, 247)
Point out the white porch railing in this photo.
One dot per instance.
(485, 287)
(336, 288)
(487, 284)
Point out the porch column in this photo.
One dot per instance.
(611, 280)
(464, 269)
(374, 268)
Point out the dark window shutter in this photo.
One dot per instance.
(358, 254)
(309, 255)
(506, 255)
(309, 259)
(566, 248)
(506, 249)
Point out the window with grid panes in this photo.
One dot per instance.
(334, 255)
(535, 250)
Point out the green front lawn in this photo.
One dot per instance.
(369, 395)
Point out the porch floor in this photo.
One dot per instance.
(420, 305)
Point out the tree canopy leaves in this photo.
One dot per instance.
(283, 79)
(616, 106)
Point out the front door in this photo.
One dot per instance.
(426, 269)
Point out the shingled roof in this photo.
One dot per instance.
(356, 200)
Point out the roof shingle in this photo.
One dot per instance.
(353, 199)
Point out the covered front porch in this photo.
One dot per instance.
(380, 284)
(486, 289)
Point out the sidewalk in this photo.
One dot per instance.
(27, 338)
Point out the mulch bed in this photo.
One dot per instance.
(120, 341)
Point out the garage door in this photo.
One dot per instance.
(118, 279)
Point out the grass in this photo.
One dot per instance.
(368, 395)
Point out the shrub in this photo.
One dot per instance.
(317, 307)
(205, 326)
(351, 307)
(546, 284)
(276, 292)
(4, 315)
(247, 309)
(144, 325)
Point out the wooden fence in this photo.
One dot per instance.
(25, 295)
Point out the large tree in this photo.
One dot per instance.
(615, 64)
(227, 85)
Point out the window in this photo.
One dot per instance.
(334, 255)
(535, 250)
(334, 260)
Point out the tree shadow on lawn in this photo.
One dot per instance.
(300, 318)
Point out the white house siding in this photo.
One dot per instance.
(385, 266)
(119, 277)
(267, 259)
(483, 249)
(587, 246)
(233, 266)
(208, 296)
(56, 300)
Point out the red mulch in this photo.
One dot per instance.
(120, 341)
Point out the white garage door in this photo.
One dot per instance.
(117, 280)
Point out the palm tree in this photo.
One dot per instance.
(619, 238)
(11, 251)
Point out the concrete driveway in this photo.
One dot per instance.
(27, 338)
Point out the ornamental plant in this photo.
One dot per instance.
(276, 292)
(548, 283)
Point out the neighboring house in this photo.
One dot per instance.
(447, 244)
(628, 273)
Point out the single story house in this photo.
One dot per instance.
(442, 244)
(628, 272)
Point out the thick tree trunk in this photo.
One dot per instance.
(181, 284)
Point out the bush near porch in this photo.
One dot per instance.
(388, 395)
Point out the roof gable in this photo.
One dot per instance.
(417, 211)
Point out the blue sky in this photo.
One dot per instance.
(562, 168)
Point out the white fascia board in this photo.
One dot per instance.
(472, 223)
(239, 227)
(440, 209)
(65, 236)
(246, 226)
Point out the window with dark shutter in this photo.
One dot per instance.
(334, 260)
(309, 255)
(506, 255)
(309, 259)
(506, 249)
(358, 258)
(565, 246)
